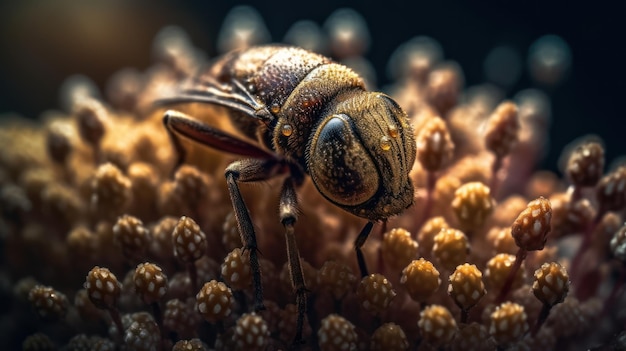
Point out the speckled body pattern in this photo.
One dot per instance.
(336, 126)
(297, 82)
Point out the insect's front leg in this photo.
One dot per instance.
(288, 216)
(358, 243)
(250, 170)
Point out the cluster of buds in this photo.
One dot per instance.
(486, 258)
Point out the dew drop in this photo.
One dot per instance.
(393, 131)
(286, 130)
(275, 109)
(385, 143)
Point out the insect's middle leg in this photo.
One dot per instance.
(288, 215)
(250, 170)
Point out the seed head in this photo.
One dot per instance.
(398, 248)
(568, 318)
(251, 332)
(472, 205)
(191, 185)
(111, 191)
(59, 201)
(466, 286)
(375, 293)
(38, 342)
(48, 302)
(337, 278)
(426, 235)
(443, 87)
(161, 243)
(585, 164)
(215, 301)
(230, 236)
(131, 235)
(551, 283)
(207, 269)
(451, 248)
(530, 229)
(611, 190)
(437, 325)
(502, 130)
(498, 269)
(435, 148)
(473, 337)
(421, 279)
(502, 240)
(189, 241)
(58, 142)
(389, 337)
(90, 115)
(124, 89)
(86, 309)
(190, 345)
(568, 216)
(336, 334)
(103, 288)
(82, 242)
(236, 269)
(150, 282)
(508, 323)
(142, 333)
(144, 180)
(181, 317)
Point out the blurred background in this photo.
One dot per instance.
(44, 42)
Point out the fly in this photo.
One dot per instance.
(308, 116)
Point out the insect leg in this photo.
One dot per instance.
(288, 210)
(249, 170)
(171, 131)
(358, 243)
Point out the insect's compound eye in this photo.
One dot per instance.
(339, 164)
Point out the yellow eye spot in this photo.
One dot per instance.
(385, 143)
(286, 130)
(275, 109)
(393, 131)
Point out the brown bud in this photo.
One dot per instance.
(435, 148)
(586, 164)
(508, 323)
(472, 205)
(611, 190)
(466, 286)
(502, 129)
(103, 288)
(443, 87)
(437, 325)
(530, 229)
(189, 241)
(551, 283)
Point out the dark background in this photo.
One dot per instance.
(43, 42)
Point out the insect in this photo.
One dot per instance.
(303, 114)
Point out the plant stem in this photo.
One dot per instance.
(519, 258)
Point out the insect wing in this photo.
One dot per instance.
(234, 98)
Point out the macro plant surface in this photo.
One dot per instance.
(110, 244)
